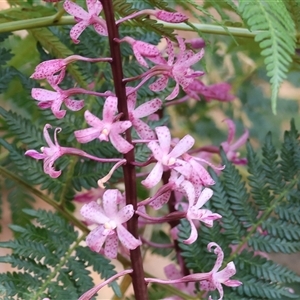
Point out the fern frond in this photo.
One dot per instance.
(23, 129)
(273, 21)
(50, 251)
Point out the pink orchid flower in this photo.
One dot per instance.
(54, 100)
(167, 159)
(209, 281)
(218, 91)
(135, 114)
(51, 153)
(216, 279)
(48, 69)
(179, 70)
(195, 212)
(143, 49)
(230, 148)
(85, 19)
(106, 129)
(110, 227)
(172, 273)
(199, 176)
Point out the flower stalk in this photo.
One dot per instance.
(139, 286)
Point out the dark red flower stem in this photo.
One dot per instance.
(139, 285)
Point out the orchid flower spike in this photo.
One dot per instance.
(110, 227)
(179, 69)
(84, 19)
(230, 148)
(106, 129)
(167, 159)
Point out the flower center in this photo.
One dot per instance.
(110, 225)
(104, 134)
(168, 161)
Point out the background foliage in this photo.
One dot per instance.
(263, 199)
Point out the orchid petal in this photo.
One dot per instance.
(164, 138)
(94, 6)
(74, 105)
(101, 28)
(120, 126)
(193, 235)
(43, 94)
(110, 203)
(48, 68)
(127, 239)
(86, 135)
(161, 200)
(125, 214)
(96, 238)
(139, 58)
(170, 52)
(154, 177)
(171, 17)
(55, 107)
(185, 144)
(120, 143)
(240, 141)
(77, 29)
(159, 84)
(220, 255)
(131, 99)
(93, 213)
(110, 109)
(93, 121)
(111, 246)
(171, 272)
(174, 93)
(75, 10)
(143, 130)
(47, 136)
(48, 167)
(147, 108)
(231, 130)
(156, 150)
(35, 154)
(204, 197)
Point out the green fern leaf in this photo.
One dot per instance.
(272, 21)
(50, 252)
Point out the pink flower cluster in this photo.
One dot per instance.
(108, 211)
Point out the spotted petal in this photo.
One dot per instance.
(96, 238)
(127, 239)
